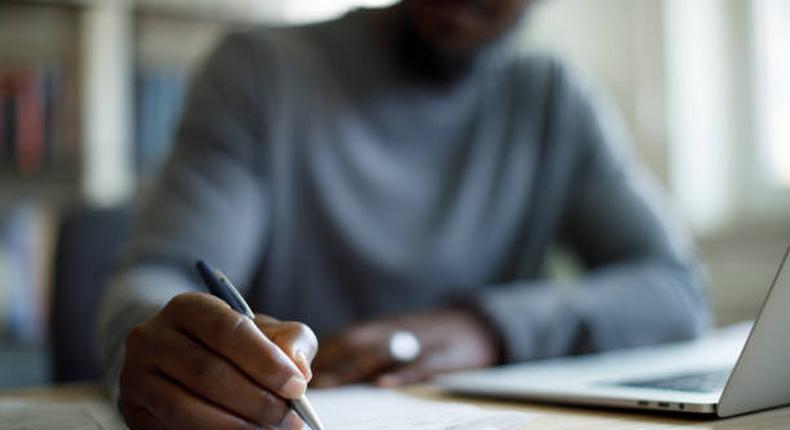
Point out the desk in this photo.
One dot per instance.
(551, 417)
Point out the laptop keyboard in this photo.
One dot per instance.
(703, 382)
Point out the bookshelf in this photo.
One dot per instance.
(100, 46)
(210, 10)
(39, 62)
(95, 87)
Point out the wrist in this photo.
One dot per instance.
(483, 330)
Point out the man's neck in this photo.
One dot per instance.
(419, 59)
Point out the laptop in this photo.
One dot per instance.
(733, 371)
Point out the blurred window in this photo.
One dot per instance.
(772, 34)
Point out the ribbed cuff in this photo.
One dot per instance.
(532, 320)
(133, 297)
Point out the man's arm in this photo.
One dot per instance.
(208, 203)
(642, 284)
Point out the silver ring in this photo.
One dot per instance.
(404, 347)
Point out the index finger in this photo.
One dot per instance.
(211, 322)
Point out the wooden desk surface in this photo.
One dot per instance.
(551, 417)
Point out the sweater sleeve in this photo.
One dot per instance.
(641, 283)
(209, 202)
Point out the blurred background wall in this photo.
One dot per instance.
(90, 91)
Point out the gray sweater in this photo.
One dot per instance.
(335, 188)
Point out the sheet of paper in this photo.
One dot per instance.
(32, 415)
(356, 408)
(361, 408)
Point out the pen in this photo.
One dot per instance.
(220, 286)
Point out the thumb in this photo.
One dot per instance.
(297, 340)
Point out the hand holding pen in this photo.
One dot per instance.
(220, 286)
(199, 364)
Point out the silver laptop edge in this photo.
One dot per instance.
(760, 378)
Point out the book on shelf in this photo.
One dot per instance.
(160, 94)
(34, 122)
(27, 233)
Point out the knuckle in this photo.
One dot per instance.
(222, 328)
(136, 338)
(179, 303)
(303, 333)
(306, 332)
(176, 413)
(174, 304)
(232, 324)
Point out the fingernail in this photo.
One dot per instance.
(295, 387)
(304, 365)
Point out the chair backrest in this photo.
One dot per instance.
(88, 245)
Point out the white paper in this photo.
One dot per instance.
(360, 408)
(34, 415)
(355, 408)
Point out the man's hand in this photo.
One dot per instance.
(200, 365)
(450, 340)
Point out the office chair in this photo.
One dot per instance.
(88, 244)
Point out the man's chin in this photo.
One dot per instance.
(437, 62)
(437, 52)
(454, 29)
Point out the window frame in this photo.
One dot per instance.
(765, 196)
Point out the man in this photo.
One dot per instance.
(395, 171)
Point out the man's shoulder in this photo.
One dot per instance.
(283, 39)
(553, 78)
(535, 62)
(539, 70)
